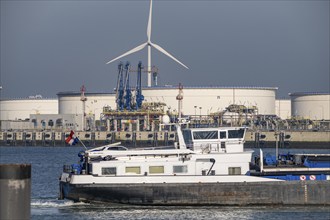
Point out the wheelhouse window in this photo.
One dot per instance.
(134, 170)
(117, 148)
(180, 169)
(234, 171)
(236, 133)
(187, 136)
(109, 170)
(205, 135)
(223, 135)
(156, 169)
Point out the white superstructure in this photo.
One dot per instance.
(205, 155)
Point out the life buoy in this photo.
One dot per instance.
(312, 177)
(302, 177)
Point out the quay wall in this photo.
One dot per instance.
(297, 139)
(296, 136)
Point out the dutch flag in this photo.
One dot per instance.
(72, 139)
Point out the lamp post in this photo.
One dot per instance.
(200, 115)
(195, 115)
(209, 115)
(276, 146)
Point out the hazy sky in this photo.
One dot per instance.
(54, 46)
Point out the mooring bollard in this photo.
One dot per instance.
(15, 191)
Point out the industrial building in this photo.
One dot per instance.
(96, 120)
(71, 110)
(197, 102)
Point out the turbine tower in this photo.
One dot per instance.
(149, 44)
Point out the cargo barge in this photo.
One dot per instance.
(208, 166)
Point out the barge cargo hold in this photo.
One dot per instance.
(230, 193)
(208, 166)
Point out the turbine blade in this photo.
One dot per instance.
(149, 22)
(140, 47)
(159, 48)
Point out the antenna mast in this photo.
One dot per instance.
(83, 99)
(179, 97)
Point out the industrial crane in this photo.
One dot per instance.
(120, 88)
(127, 89)
(123, 90)
(138, 91)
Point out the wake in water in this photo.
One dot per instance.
(54, 203)
(51, 208)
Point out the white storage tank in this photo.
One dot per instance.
(283, 108)
(196, 100)
(314, 106)
(205, 100)
(70, 103)
(20, 109)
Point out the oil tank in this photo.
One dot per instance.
(314, 106)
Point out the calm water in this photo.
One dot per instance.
(47, 165)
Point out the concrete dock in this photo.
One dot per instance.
(302, 139)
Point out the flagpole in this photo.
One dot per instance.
(72, 138)
(82, 143)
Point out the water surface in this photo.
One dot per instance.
(47, 163)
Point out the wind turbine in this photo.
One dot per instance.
(149, 44)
